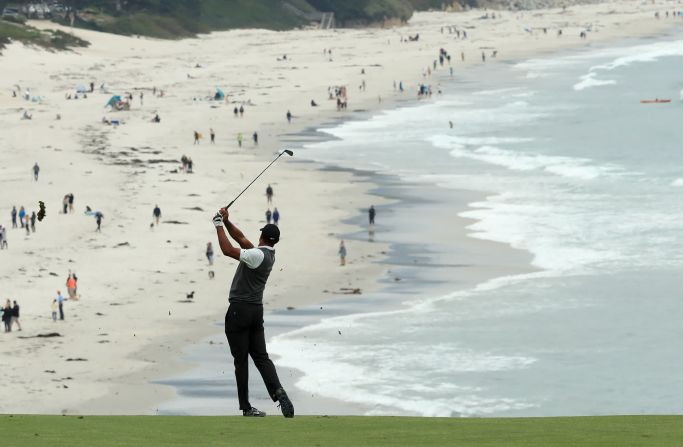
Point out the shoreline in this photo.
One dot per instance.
(201, 388)
(133, 392)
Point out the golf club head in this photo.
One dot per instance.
(288, 152)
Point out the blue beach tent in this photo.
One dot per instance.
(113, 101)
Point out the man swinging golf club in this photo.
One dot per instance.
(244, 320)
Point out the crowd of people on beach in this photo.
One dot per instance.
(198, 136)
(10, 312)
(26, 221)
(672, 15)
(338, 93)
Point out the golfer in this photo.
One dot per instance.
(244, 320)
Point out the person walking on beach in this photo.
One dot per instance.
(371, 214)
(73, 274)
(156, 213)
(241, 111)
(27, 224)
(60, 303)
(3, 238)
(255, 138)
(289, 117)
(33, 221)
(213, 136)
(209, 253)
(54, 310)
(276, 216)
(269, 194)
(15, 316)
(342, 253)
(244, 319)
(196, 137)
(36, 171)
(240, 137)
(22, 215)
(7, 316)
(98, 220)
(71, 203)
(71, 286)
(269, 215)
(14, 217)
(65, 204)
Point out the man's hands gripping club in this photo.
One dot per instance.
(218, 221)
(222, 218)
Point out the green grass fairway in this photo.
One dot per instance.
(167, 431)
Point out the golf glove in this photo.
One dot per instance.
(218, 220)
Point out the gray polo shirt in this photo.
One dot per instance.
(251, 275)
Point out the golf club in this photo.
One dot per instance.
(286, 151)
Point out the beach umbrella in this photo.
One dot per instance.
(113, 100)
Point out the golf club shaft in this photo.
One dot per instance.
(257, 177)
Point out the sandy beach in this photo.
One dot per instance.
(133, 318)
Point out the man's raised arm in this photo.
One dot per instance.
(226, 247)
(236, 233)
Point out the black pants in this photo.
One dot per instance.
(61, 311)
(244, 329)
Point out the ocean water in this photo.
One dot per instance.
(577, 172)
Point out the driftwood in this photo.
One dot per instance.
(46, 335)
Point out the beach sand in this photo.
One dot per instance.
(133, 318)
